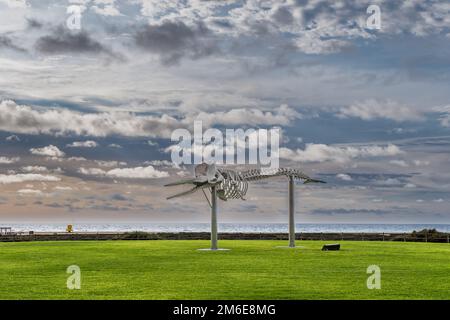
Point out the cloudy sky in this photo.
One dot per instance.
(86, 115)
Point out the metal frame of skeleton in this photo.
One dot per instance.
(230, 184)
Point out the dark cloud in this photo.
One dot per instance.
(7, 43)
(260, 28)
(301, 2)
(120, 197)
(107, 207)
(173, 41)
(62, 40)
(55, 205)
(283, 16)
(34, 24)
(222, 23)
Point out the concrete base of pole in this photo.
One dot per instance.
(218, 249)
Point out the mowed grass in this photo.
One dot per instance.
(251, 270)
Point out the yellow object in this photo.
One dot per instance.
(69, 228)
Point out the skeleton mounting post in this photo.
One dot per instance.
(291, 213)
(213, 218)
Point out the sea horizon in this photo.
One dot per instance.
(225, 227)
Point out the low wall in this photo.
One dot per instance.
(407, 237)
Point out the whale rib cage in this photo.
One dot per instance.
(234, 184)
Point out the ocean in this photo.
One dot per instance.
(226, 227)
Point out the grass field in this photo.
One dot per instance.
(251, 270)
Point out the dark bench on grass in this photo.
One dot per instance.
(331, 247)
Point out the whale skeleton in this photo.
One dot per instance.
(230, 184)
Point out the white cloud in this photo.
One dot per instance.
(76, 159)
(114, 145)
(137, 173)
(238, 143)
(26, 177)
(344, 177)
(110, 163)
(161, 163)
(35, 169)
(322, 152)
(388, 182)
(283, 115)
(148, 172)
(15, 3)
(373, 109)
(106, 8)
(92, 171)
(7, 160)
(400, 163)
(63, 188)
(313, 45)
(83, 144)
(406, 164)
(444, 117)
(24, 119)
(12, 138)
(421, 163)
(30, 192)
(49, 151)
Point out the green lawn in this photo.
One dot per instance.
(251, 270)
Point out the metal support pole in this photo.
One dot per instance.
(291, 213)
(213, 218)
